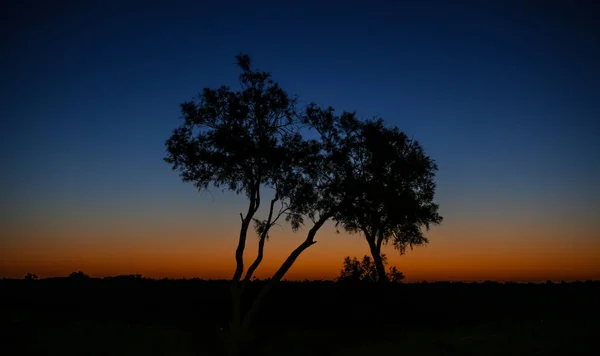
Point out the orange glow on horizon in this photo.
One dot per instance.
(148, 252)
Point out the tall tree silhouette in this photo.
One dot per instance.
(366, 177)
(242, 141)
(389, 182)
(247, 140)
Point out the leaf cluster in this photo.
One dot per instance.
(369, 178)
(364, 270)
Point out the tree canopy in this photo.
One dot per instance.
(366, 177)
(239, 140)
(247, 140)
(388, 180)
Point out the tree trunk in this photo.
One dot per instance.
(246, 220)
(285, 266)
(261, 244)
(234, 288)
(376, 253)
(236, 295)
(258, 260)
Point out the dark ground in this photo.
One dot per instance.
(133, 316)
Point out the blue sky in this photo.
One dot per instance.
(505, 96)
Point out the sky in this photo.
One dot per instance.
(503, 95)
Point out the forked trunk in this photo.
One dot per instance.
(236, 341)
(376, 254)
(235, 288)
(249, 318)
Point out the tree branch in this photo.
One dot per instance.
(285, 266)
(236, 323)
(261, 245)
(379, 240)
(239, 252)
(257, 202)
(282, 210)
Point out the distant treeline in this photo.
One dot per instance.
(138, 277)
(137, 299)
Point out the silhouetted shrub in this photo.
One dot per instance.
(365, 271)
(31, 277)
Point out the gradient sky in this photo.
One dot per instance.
(504, 95)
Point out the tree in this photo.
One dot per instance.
(354, 271)
(244, 141)
(389, 181)
(397, 185)
(249, 140)
(394, 275)
(30, 277)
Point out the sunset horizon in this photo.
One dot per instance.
(441, 260)
(266, 178)
(503, 97)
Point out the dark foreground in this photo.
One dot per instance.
(133, 316)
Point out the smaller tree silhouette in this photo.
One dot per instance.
(365, 270)
(394, 275)
(31, 277)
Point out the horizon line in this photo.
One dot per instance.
(477, 281)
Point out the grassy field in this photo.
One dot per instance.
(51, 328)
(29, 336)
